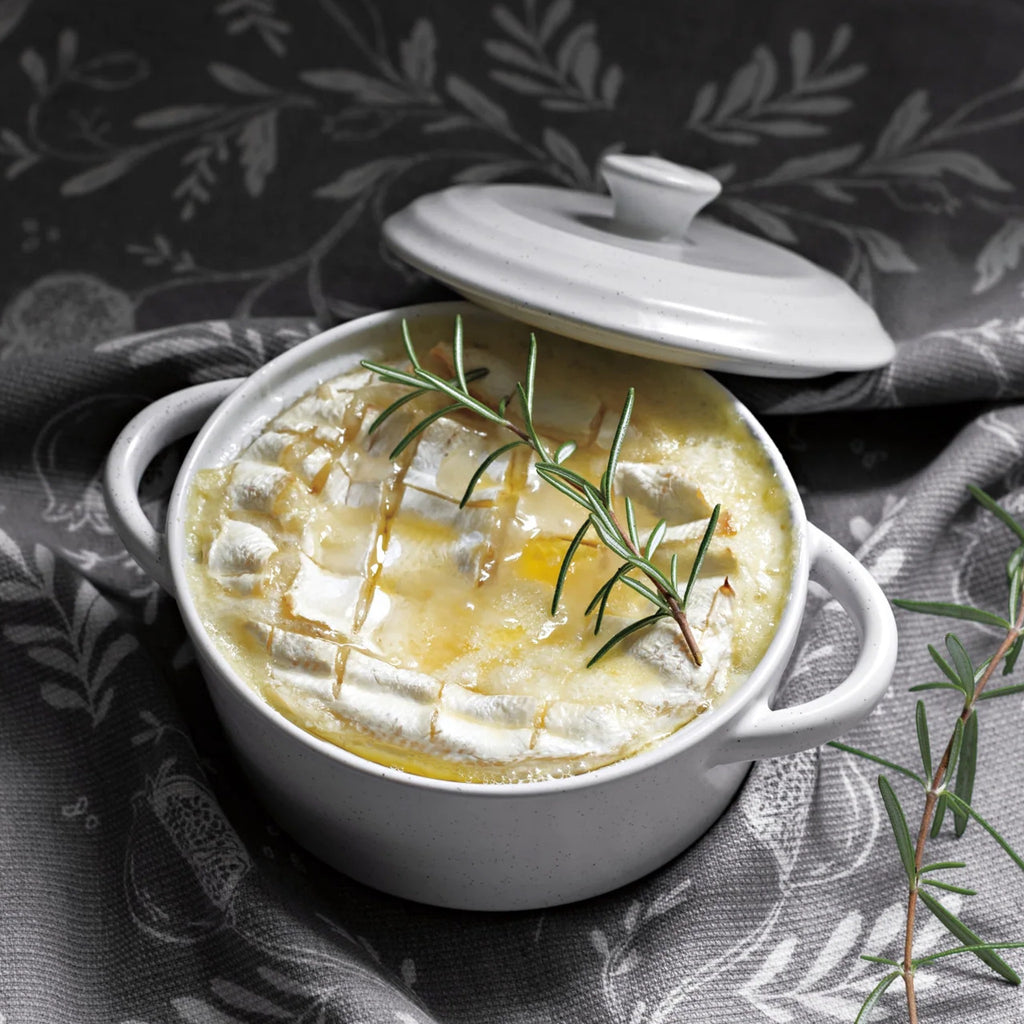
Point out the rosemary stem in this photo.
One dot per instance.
(931, 799)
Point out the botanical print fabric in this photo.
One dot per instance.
(215, 164)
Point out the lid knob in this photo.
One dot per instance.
(655, 198)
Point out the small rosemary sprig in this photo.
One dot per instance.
(949, 784)
(660, 588)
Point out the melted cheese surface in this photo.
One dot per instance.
(363, 603)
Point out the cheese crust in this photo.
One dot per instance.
(361, 601)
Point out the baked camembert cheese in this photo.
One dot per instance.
(364, 604)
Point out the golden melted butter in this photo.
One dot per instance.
(355, 594)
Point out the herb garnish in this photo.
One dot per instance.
(637, 571)
(949, 784)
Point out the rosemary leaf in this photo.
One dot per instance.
(407, 341)
(947, 669)
(673, 572)
(942, 865)
(1009, 850)
(457, 356)
(879, 960)
(1002, 691)
(531, 372)
(966, 949)
(387, 413)
(452, 390)
(526, 405)
(631, 523)
(964, 787)
(940, 814)
(1013, 572)
(623, 633)
(959, 930)
(996, 509)
(654, 538)
(955, 745)
(933, 686)
(483, 467)
(391, 375)
(874, 995)
(702, 550)
(563, 569)
(949, 888)
(564, 452)
(953, 611)
(962, 663)
(1010, 661)
(878, 760)
(608, 479)
(923, 739)
(898, 820)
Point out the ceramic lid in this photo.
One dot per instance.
(640, 271)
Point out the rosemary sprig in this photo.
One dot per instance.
(949, 783)
(637, 570)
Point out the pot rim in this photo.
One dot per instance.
(218, 439)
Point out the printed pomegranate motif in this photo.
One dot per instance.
(184, 861)
(64, 309)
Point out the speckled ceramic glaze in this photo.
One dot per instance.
(491, 846)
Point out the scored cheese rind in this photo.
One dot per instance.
(305, 663)
(486, 727)
(365, 596)
(446, 457)
(394, 703)
(664, 491)
(572, 729)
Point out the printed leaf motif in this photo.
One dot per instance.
(10, 548)
(362, 87)
(885, 252)
(1000, 254)
(906, 123)
(417, 54)
(490, 172)
(238, 81)
(197, 1011)
(470, 97)
(113, 656)
(32, 634)
(566, 153)
(10, 14)
(774, 964)
(53, 658)
(61, 697)
(357, 180)
(815, 165)
(96, 177)
(766, 222)
(934, 162)
(172, 117)
(281, 981)
(242, 999)
(100, 712)
(840, 943)
(35, 67)
(15, 590)
(258, 144)
(111, 72)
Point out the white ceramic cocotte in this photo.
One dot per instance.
(639, 272)
(487, 846)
